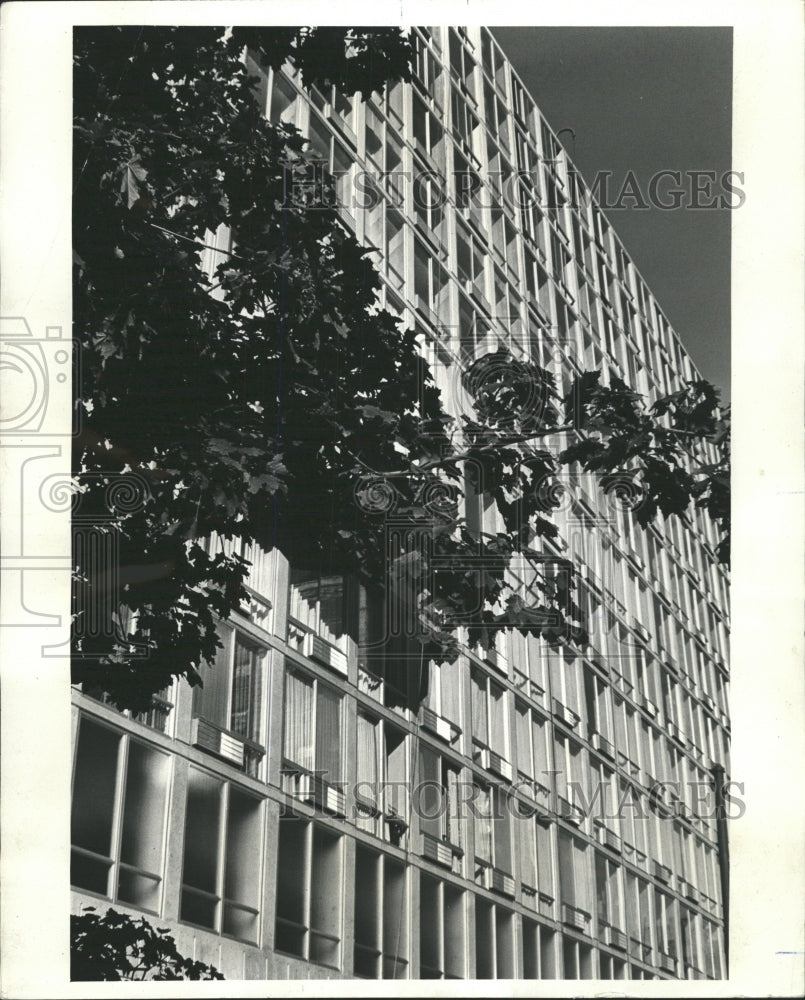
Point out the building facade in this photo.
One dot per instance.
(544, 813)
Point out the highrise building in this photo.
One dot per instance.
(544, 812)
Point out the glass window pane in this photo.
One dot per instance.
(503, 844)
(283, 100)
(328, 734)
(242, 882)
(298, 733)
(247, 691)
(326, 896)
(90, 873)
(143, 824)
(395, 921)
(211, 701)
(240, 923)
(331, 606)
(291, 874)
(367, 926)
(504, 934)
(484, 941)
(198, 909)
(304, 598)
(454, 933)
(429, 799)
(429, 929)
(94, 789)
(202, 832)
(498, 737)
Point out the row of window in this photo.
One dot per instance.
(232, 698)
(121, 815)
(324, 606)
(534, 129)
(386, 227)
(506, 736)
(384, 151)
(500, 76)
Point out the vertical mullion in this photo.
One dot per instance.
(230, 666)
(166, 812)
(440, 927)
(493, 927)
(380, 772)
(314, 727)
(223, 813)
(381, 914)
(308, 886)
(117, 814)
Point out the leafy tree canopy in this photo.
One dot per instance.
(276, 401)
(116, 947)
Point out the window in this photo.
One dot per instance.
(336, 161)
(535, 862)
(429, 205)
(431, 285)
(504, 241)
(550, 145)
(525, 153)
(711, 947)
(233, 694)
(608, 893)
(571, 789)
(493, 835)
(470, 263)
(381, 790)
(523, 105)
(532, 748)
(497, 118)
(689, 937)
(317, 604)
(332, 102)
(444, 690)
(381, 916)
(565, 670)
(605, 799)
(157, 716)
(312, 727)
(222, 870)
(596, 700)
(391, 667)
(438, 801)
(428, 133)
(494, 941)
(118, 816)
(374, 137)
(665, 924)
(490, 728)
(634, 823)
(442, 930)
(538, 283)
(429, 71)
(574, 876)
(309, 892)
(283, 100)
(638, 914)
(669, 690)
(538, 951)
(461, 63)
(465, 121)
(507, 309)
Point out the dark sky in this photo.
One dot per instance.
(649, 99)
